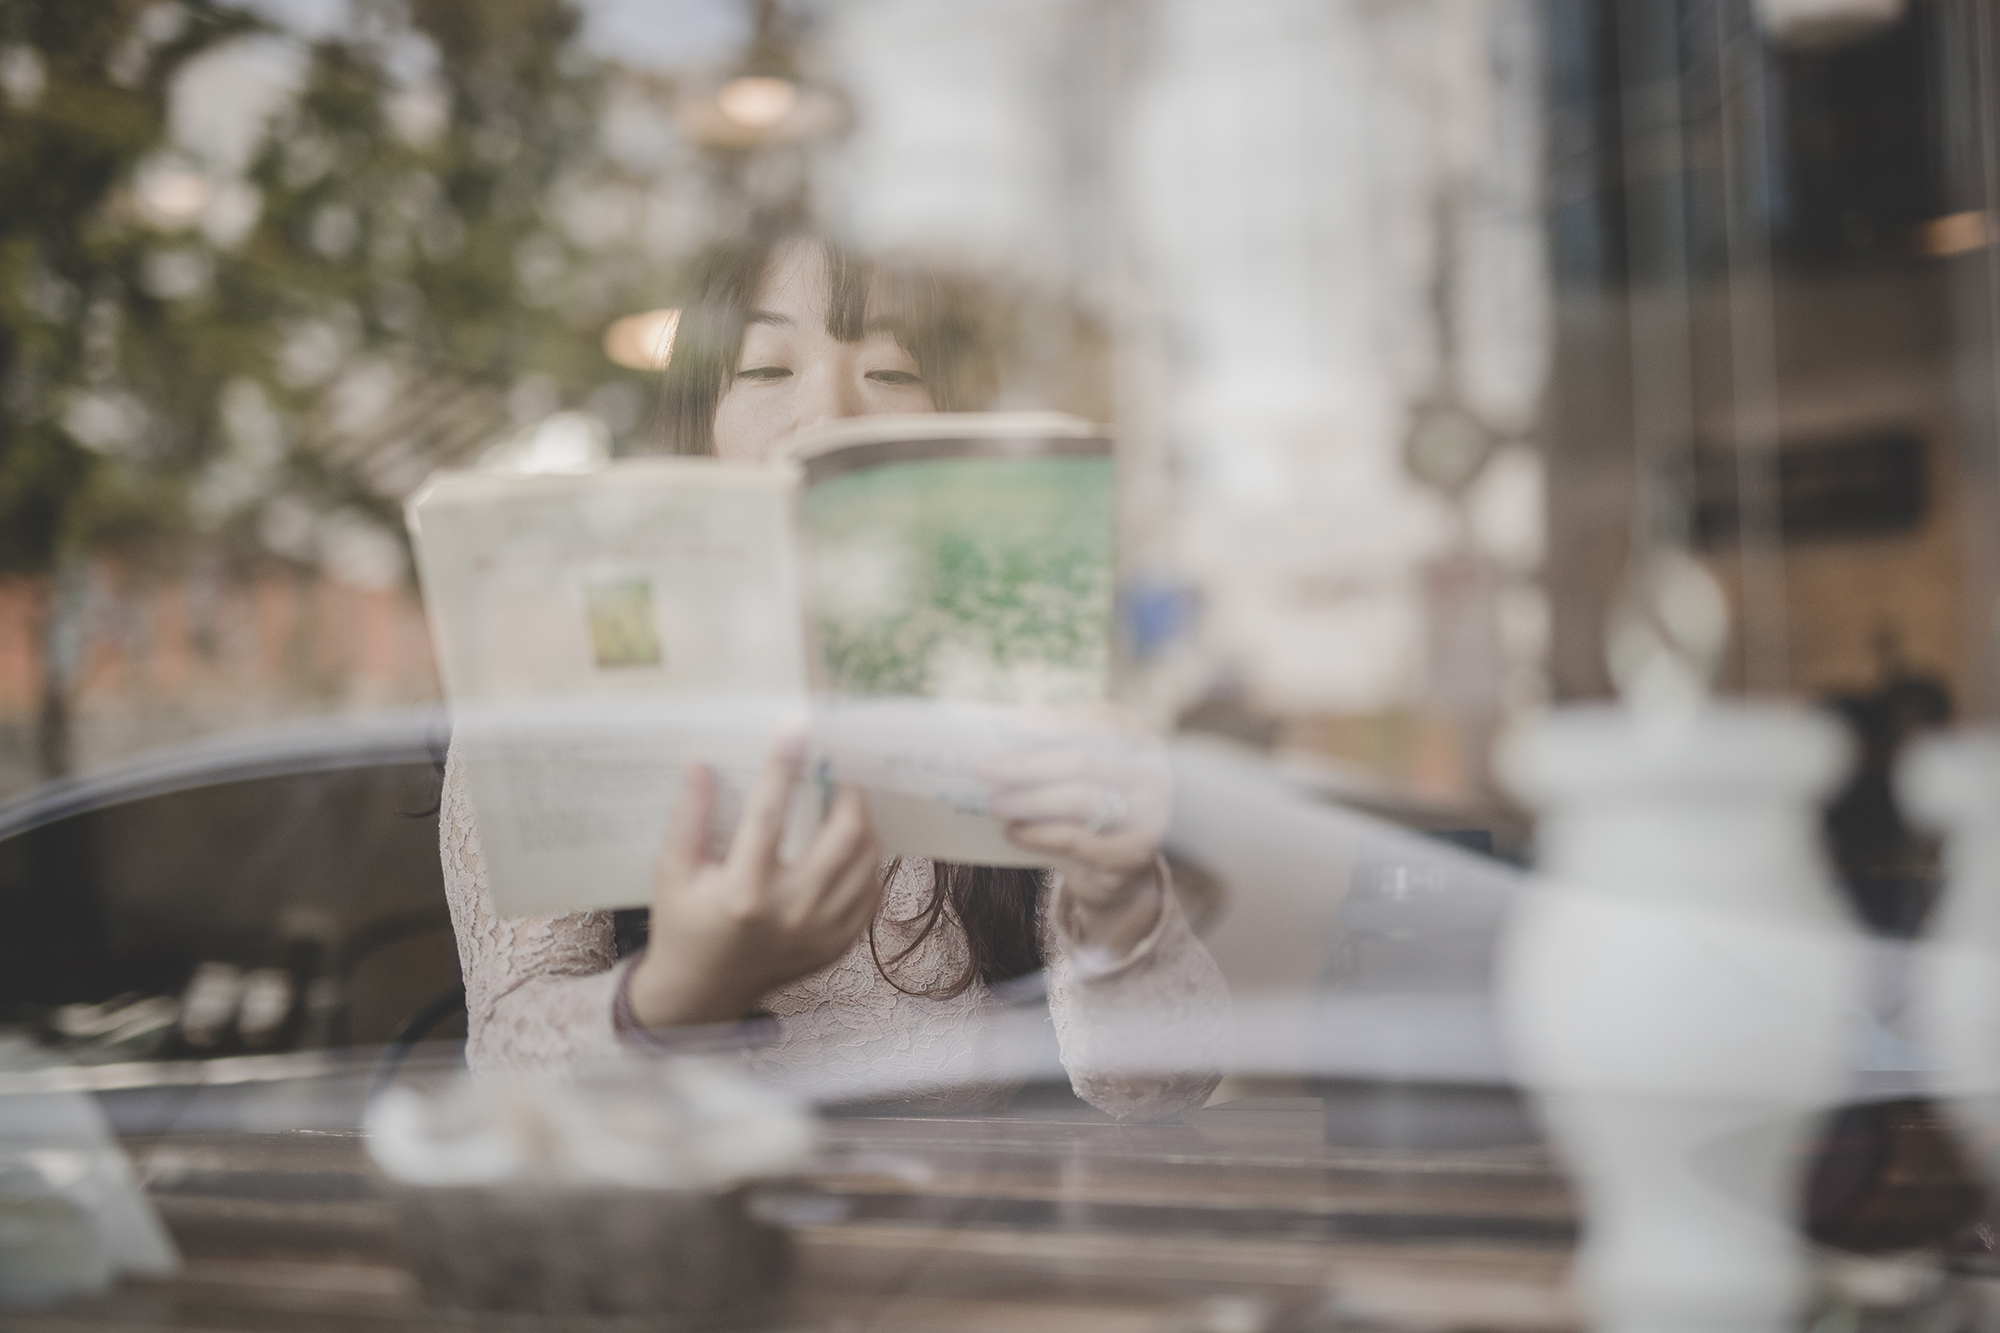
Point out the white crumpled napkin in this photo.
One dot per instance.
(677, 1124)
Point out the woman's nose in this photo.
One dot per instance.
(828, 396)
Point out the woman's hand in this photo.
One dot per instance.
(725, 934)
(1096, 796)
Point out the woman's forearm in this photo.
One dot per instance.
(1141, 1033)
(1119, 924)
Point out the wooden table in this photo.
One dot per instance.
(1241, 1219)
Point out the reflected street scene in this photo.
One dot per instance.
(1283, 666)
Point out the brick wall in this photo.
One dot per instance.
(166, 659)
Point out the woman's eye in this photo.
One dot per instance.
(763, 373)
(897, 377)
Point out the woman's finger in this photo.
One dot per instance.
(1036, 767)
(1103, 757)
(842, 834)
(685, 850)
(1057, 839)
(1113, 852)
(1072, 802)
(755, 848)
(857, 892)
(1060, 723)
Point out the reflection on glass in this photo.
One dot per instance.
(892, 618)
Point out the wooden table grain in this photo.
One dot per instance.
(1240, 1219)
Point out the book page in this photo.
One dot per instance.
(967, 562)
(596, 634)
(916, 761)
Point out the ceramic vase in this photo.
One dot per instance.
(1674, 991)
(1952, 785)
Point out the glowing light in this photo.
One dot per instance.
(758, 103)
(174, 195)
(643, 342)
(563, 444)
(1956, 234)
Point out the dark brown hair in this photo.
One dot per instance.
(995, 907)
(934, 326)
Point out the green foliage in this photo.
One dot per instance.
(69, 254)
(417, 241)
(401, 276)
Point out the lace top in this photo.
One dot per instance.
(539, 992)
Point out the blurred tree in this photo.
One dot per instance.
(267, 363)
(85, 459)
(402, 259)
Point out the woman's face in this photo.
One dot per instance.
(792, 373)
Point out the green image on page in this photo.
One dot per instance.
(622, 630)
(983, 580)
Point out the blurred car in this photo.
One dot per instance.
(281, 891)
(274, 891)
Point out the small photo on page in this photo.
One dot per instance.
(622, 631)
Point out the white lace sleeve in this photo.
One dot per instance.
(1142, 1035)
(538, 989)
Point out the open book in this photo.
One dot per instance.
(901, 585)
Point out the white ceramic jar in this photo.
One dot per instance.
(1676, 990)
(1952, 785)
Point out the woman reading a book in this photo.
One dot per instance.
(839, 960)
